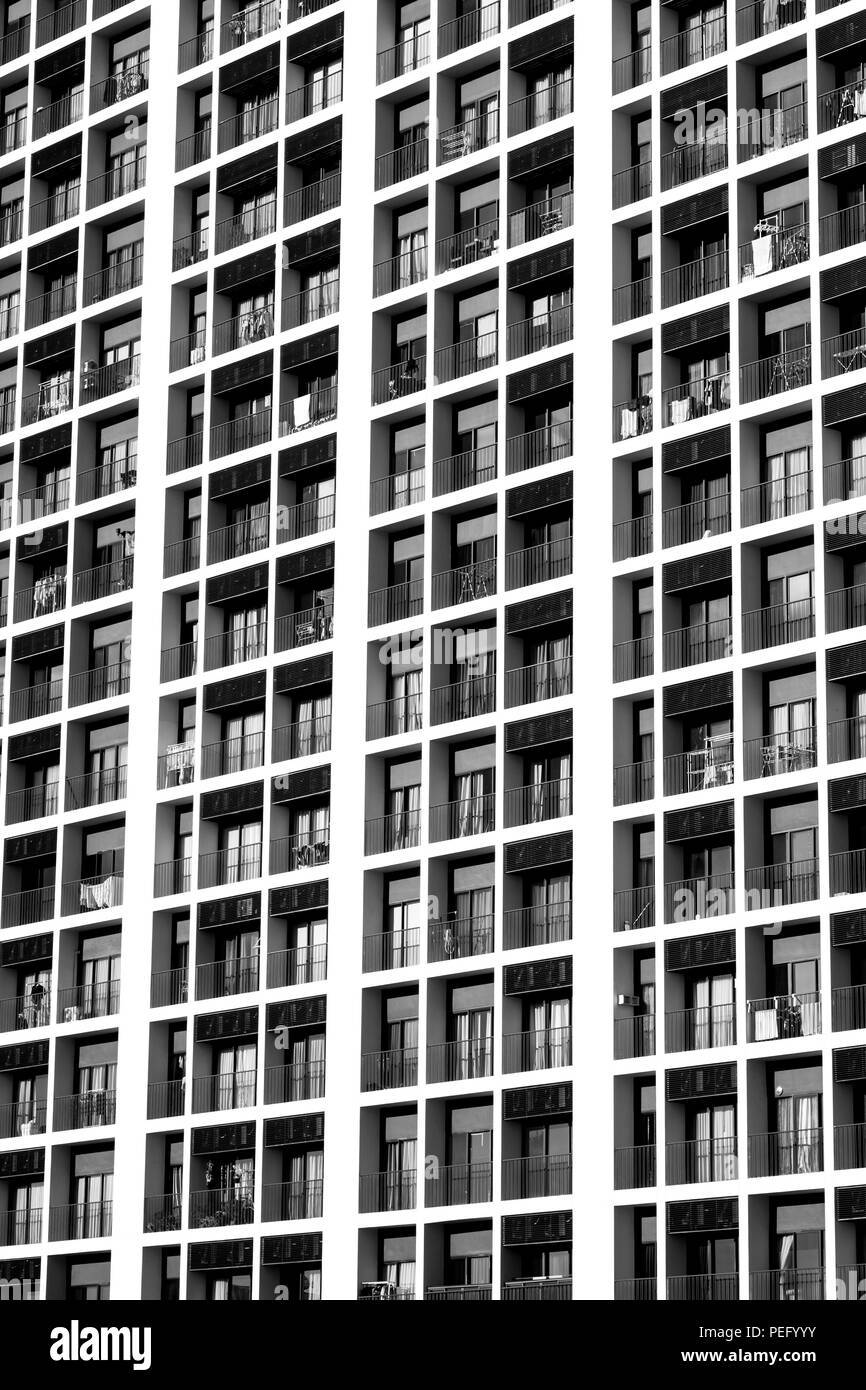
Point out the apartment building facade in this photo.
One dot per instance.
(295, 779)
(737, 525)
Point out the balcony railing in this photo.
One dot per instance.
(692, 400)
(682, 283)
(241, 538)
(459, 938)
(408, 56)
(222, 866)
(634, 1167)
(97, 1000)
(543, 925)
(314, 97)
(12, 224)
(693, 521)
(252, 22)
(309, 410)
(103, 580)
(538, 108)
(301, 851)
(780, 623)
(636, 1290)
(191, 53)
(536, 1050)
(99, 382)
(312, 200)
(120, 86)
(845, 480)
(245, 227)
(463, 700)
(632, 301)
(475, 27)
(691, 646)
(633, 660)
(466, 584)
(117, 183)
(62, 204)
(470, 355)
(689, 899)
(634, 908)
(544, 331)
(694, 45)
(467, 1060)
(783, 1153)
(773, 754)
(47, 120)
(632, 185)
(80, 1221)
(244, 432)
(538, 563)
(458, 1184)
(169, 987)
(547, 680)
(86, 1110)
(52, 398)
(395, 1190)
(756, 19)
(259, 120)
(544, 1176)
(300, 965)
(392, 950)
(478, 132)
(703, 1288)
(779, 250)
(29, 906)
(22, 1118)
(396, 602)
(464, 470)
(849, 1008)
(222, 978)
(26, 1011)
(178, 663)
(56, 25)
(784, 1016)
(192, 149)
(184, 453)
(550, 444)
(389, 1070)
(539, 802)
(21, 1227)
(840, 107)
(311, 305)
(32, 701)
(787, 1285)
(846, 608)
(849, 1145)
(165, 1099)
(172, 877)
(632, 70)
(633, 782)
(303, 739)
(400, 272)
(304, 627)
(544, 218)
(701, 1160)
(778, 885)
(386, 834)
(294, 1081)
(17, 42)
(848, 872)
(772, 500)
(96, 892)
(114, 279)
(244, 330)
(404, 162)
(550, 1289)
(696, 160)
(839, 230)
(96, 788)
(48, 595)
(233, 755)
(47, 307)
(190, 250)
(163, 1213)
(846, 352)
(305, 519)
(467, 247)
(225, 1091)
(179, 557)
(709, 1025)
(220, 1207)
(292, 1201)
(772, 129)
(634, 1037)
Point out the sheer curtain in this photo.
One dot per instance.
(724, 1161)
(560, 1033)
(723, 1010)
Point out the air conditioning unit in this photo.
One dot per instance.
(197, 355)
(630, 1001)
(71, 1014)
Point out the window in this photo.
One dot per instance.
(305, 1067)
(99, 985)
(312, 724)
(473, 1044)
(246, 630)
(310, 952)
(324, 86)
(235, 1076)
(400, 1174)
(231, 1288)
(798, 1135)
(402, 935)
(91, 1214)
(241, 851)
(24, 1221)
(243, 742)
(311, 835)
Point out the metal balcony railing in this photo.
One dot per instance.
(300, 965)
(465, 584)
(536, 1050)
(241, 538)
(179, 557)
(243, 330)
(117, 473)
(16, 42)
(634, 908)
(784, 1016)
(392, 950)
(190, 250)
(251, 23)
(225, 1091)
(303, 739)
(695, 44)
(314, 97)
(395, 1190)
(846, 608)
(849, 1145)
(294, 1081)
(692, 1030)
(249, 431)
(312, 200)
(165, 1099)
(399, 272)
(121, 86)
(461, 359)
(62, 21)
(178, 663)
(47, 120)
(478, 25)
(778, 624)
(404, 162)
(840, 107)
(80, 1221)
(172, 877)
(26, 907)
(304, 627)
(311, 305)
(849, 1008)
(634, 1037)
(387, 834)
(772, 129)
(550, 444)
(682, 283)
(543, 925)
(396, 602)
(846, 740)
(96, 788)
(785, 247)
(48, 595)
(633, 660)
(85, 1110)
(254, 123)
(551, 103)
(772, 754)
(103, 580)
(408, 56)
(233, 755)
(467, 247)
(185, 453)
(778, 885)
(539, 563)
(710, 895)
(839, 230)
(245, 227)
(633, 782)
(539, 802)
(848, 872)
(756, 19)
(696, 520)
(703, 1288)
(468, 1060)
(300, 851)
(691, 646)
(169, 987)
(220, 1207)
(26, 1011)
(634, 1167)
(464, 470)
(32, 701)
(292, 1201)
(632, 301)
(692, 400)
(114, 279)
(845, 480)
(47, 307)
(787, 1285)
(463, 700)
(458, 1184)
(457, 819)
(117, 183)
(632, 70)
(222, 866)
(99, 683)
(389, 1070)
(846, 352)
(96, 892)
(309, 410)
(772, 500)
(22, 1226)
(22, 1118)
(62, 204)
(191, 53)
(783, 1153)
(696, 160)
(550, 215)
(403, 715)
(192, 149)
(305, 519)
(97, 1000)
(520, 11)
(98, 382)
(550, 1289)
(163, 1213)
(477, 132)
(636, 1290)
(540, 333)
(459, 938)
(701, 1160)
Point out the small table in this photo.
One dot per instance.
(850, 359)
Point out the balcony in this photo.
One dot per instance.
(777, 250)
(56, 25)
(636, 1290)
(695, 521)
(690, 899)
(404, 162)
(292, 1201)
(103, 580)
(455, 820)
(87, 1110)
(692, 1030)
(162, 1213)
(848, 872)
(12, 223)
(837, 231)
(467, 247)
(27, 907)
(846, 740)
(225, 1091)
(223, 866)
(22, 1227)
(168, 987)
(243, 330)
(536, 1050)
(410, 55)
(632, 185)
(33, 701)
(232, 755)
(780, 623)
(474, 133)
(695, 44)
(190, 250)
(841, 106)
(80, 1221)
(251, 23)
(400, 272)
(551, 104)
(294, 1081)
(475, 27)
(99, 382)
(300, 851)
(22, 1118)
(395, 1190)
(458, 1184)
(756, 19)
(784, 1016)
(389, 1070)
(219, 1207)
(192, 149)
(393, 950)
(775, 754)
(245, 227)
(633, 417)
(304, 627)
(779, 885)
(184, 453)
(244, 432)
(47, 596)
(48, 120)
(178, 663)
(633, 782)
(692, 400)
(260, 120)
(538, 564)
(309, 410)
(302, 965)
(314, 97)
(52, 399)
(25, 1011)
(776, 499)
(114, 279)
(97, 1000)
(316, 198)
(96, 788)
(459, 938)
(165, 1099)
(547, 217)
(786, 1285)
(701, 1161)
(16, 43)
(463, 700)
(634, 1037)
(683, 283)
(632, 70)
(468, 1060)
(94, 893)
(691, 646)
(387, 834)
(849, 1146)
(58, 207)
(631, 301)
(783, 1153)
(395, 603)
(550, 1289)
(466, 584)
(120, 86)
(773, 129)
(542, 801)
(697, 160)
(389, 718)
(846, 352)
(633, 660)
(241, 538)
(191, 53)
(849, 1008)
(172, 877)
(846, 608)
(223, 978)
(303, 739)
(634, 908)
(462, 359)
(703, 1288)
(547, 680)
(540, 333)
(311, 305)
(550, 444)
(634, 1167)
(180, 557)
(47, 307)
(544, 925)
(117, 183)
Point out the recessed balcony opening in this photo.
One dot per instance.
(58, 91)
(692, 31)
(634, 751)
(117, 164)
(192, 212)
(632, 64)
(463, 25)
(538, 651)
(699, 736)
(462, 788)
(699, 862)
(776, 469)
(44, 484)
(29, 877)
(541, 76)
(634, 1132)
(786, 1133)
(632, 154)
(399, 355)
(634, 903)
(41, 573)
(241, 407)
(195, 112)
(632, 252)
(841, 70)
(537, 1270)
(703, 1251)
(774, 223)
(51, 284)
(249, 100)
(402, 136)
(694, 249)
(393, 803)
(26, 984)
(845, 574)
(700, 1011)
(314, 71)
(540, 309)
(460, 1028)
(842, 206)
(701, 1124)
(458, 1261)
(311, 276)
(636, 1254)
(541, 189)
(221, 1185)
(467, 337)
(293, 1168)
(243, 304)
(784, 982)
(47, 381)
(696, 610)
(780, 733)
(306, 490)
(469, 106)
(24, 1092)
(302, 711)
(308, 382)
(312, 173)
(401, 244)
(81, 1193)
(537, 892)
(848, 969)
(389, 1032)
(781, 849)
(392, 919)
(404, 40)
(633, 507)
(773, 100)
(36, 676)
(461, 910)
(389, 1160)
(849, 1108)
(633, 388)
(301, 820)
(696, 488)
(246, 203)
(120, 67)
(55, 185)
(304, 598)
(297, 935)
(775, 341)
(169, 981)
(85, 1081)
(164, 1175)
(693, 133)
(696, 367)
(843, 322)
(93, 867)
(224, 1063)
(634, 1011)
(386, 1264)
(173, 867)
